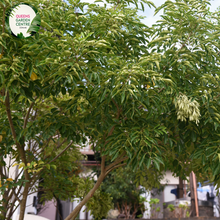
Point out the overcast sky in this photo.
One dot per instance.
(151, 19)
(149, 12)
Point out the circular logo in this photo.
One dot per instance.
(23, 20)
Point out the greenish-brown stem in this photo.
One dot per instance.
(22, 154)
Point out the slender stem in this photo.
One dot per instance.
(16, 196)
(103, 164)
(161, 90)
(183, 45)
(10, 209)
(119, 165)
(20, 148)
(119, 160)
(60, 144)
(93, 85)
(3, 24)
(8, 110)
(110, 133)
(27, 115)
(46, 144)
(61, 152)
(6, 174)
(118, 110)
(1, 172)
(16, 178)
(13, 210)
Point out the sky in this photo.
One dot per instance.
(151, 19)
(149, 12)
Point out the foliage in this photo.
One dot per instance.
(126, 194)
(187, 39)
(33, 134)
(121, 80)
(154, 210)
(62, 179)
(182, 211)
(100, 204)
(171, 207)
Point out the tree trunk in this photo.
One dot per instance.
(180, 188)
(11, 210)
(5, 205)
(23, 202)
(76, 211)
(104, 172)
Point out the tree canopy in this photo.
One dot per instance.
(143, 96)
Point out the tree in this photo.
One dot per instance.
(33, 79)
(124, 186)
(120, 86)
(67, 57)
(188, 40)
(156, 106)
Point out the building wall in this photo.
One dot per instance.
(169, 179)
(168, 196)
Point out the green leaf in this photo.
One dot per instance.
(159, 159)
(156, 164)
(175, 163)
(30, 69)
(148, 163)
(54, 166)
(122, 96)
(216, 170)
(115, 156)
(142, 160)
(142, 6)
(193, 136)
(103, 95)
(35, 24)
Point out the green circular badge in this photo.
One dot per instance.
(23, 20)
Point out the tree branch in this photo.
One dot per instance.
(184, 44)
(110, 133)
(118, 110)
(8, 110)
(16, 178)
(27, 115)
(20, 148)
(1, 173)
(93, 85)
(59, 145)
(161, 90)
(119, 165)
(61, 152)
(16, 196)
(3, 24)
(103, 164)
(44, 146)
(19, 191)
(14, 208)
(116, 162)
